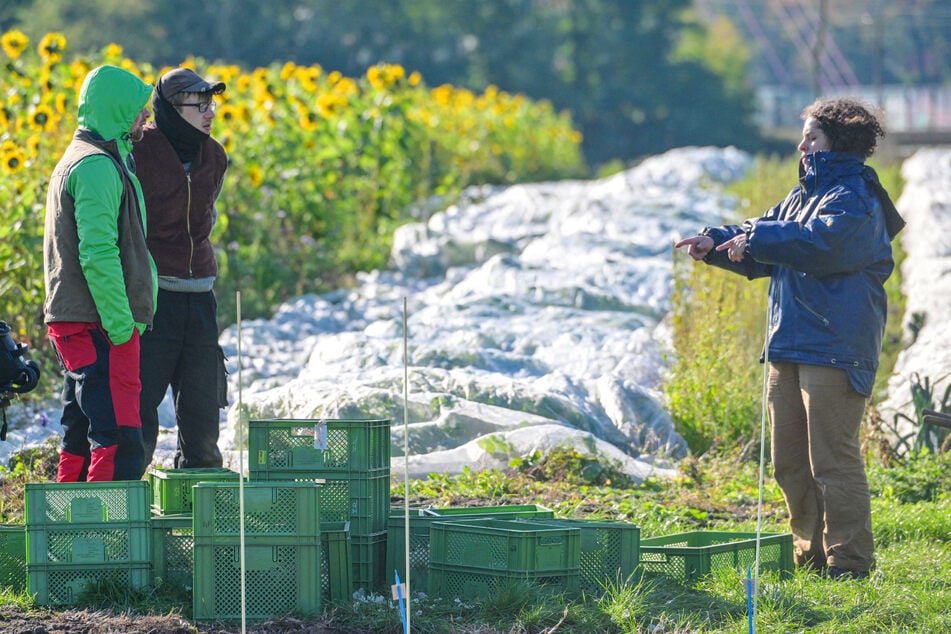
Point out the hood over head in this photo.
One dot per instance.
(109, 101)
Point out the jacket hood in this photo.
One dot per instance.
(109, 101)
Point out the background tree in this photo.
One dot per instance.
(610, 62)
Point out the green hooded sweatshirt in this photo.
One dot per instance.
(88, 214)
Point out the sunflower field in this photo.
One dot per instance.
(323, 166)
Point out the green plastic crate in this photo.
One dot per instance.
(87, 502)
(335, 566)
(280, 579)
(13, 557)
(89, 543)
(504, 511)
(172, 488)
(463, 582)
(362, 499)
(65, 584)
(278, 511)
(419, 523)
(504, 545)
(172, 542)
(345, 445)
(610, 551)
(368, 557)
(689, 556)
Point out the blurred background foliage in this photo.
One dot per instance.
(632, 73)
(638, 76)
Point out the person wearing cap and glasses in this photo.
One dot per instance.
(181, 168)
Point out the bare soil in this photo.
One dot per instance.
(17, 621)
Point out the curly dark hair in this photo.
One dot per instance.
(849, 124)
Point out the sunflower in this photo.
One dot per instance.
(346, 87)
(112, 51)
(395, 72)
(33, 144)
(51, 47)
(14, 43)
(377, 77)
(227, 113)
(226, 141)
(42, 119)
(308, 120)
(129, 65)
(308, 76)
(287, 71)
(78, 69)
(12, 159)
(415, 78)
(328, 105)
(255, 175)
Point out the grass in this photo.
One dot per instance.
(909, 591)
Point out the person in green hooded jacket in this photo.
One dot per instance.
(100, 280)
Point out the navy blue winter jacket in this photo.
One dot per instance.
(828, 252)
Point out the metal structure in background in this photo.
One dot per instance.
(922, 113)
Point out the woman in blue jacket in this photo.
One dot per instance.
(827, 249)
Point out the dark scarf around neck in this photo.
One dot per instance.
(185, 138)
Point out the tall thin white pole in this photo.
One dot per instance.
(409, 610)
(244, 621)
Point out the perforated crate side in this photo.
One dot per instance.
(363, 499)
(368, 559)
(13, 557)
(609, 550)
(418, 548)
(335, 566)
(88, 543)
(172, 488)
(345, 445)
(66, 584)
(687, 557)
(87, 502)
(279, 509)
(506, 545)
(419, 523)
(451, 581)
(172, 542)
(279, 580)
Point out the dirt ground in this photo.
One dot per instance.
(17, 621)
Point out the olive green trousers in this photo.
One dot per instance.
(815, 417)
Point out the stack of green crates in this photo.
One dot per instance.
(350, 460)
(687, 557)
(420, 521)
(81, 534)
(477, 557)
(279, 525)
(171, 520)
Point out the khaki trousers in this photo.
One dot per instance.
(817, 461)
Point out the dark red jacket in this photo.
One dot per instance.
(180, 206)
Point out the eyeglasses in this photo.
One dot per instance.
(202, 107)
